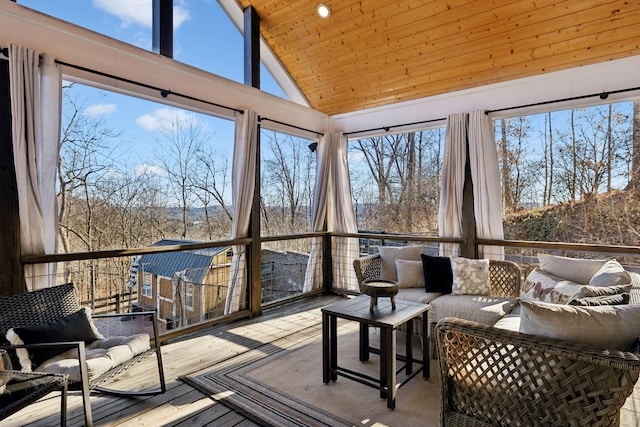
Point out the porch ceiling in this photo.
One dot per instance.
(371, 53)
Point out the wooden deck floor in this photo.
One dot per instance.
(181, 405)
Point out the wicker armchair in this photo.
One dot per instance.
(44, 305)
(494, 377)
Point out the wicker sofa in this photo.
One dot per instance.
(494, 375)
(505, 278)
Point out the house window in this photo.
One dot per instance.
(146, 291)
(146, 285)
(188, 296)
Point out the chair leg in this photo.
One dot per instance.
(63, 405)
(84, 382)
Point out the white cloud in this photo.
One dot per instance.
(164, 118)
(100, 109)
(148, 169)
(138, 12)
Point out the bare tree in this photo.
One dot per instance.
(181, 144)
(209, 181)
(634, 180)
(286, 183)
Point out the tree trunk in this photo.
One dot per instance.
(634, 180)
(609, 149)
(507, 191)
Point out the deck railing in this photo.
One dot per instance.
(102, 277)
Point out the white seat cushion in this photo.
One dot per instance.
(483, 309)
(102, 355)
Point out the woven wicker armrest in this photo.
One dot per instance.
(492, 376)
(506, 278)
(368, 267)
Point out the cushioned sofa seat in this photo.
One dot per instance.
(483, 309)
(102, 355)
(510, 322)
(417, 295)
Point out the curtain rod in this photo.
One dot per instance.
(387, 128)
(163, 92)
(260, 119)
(602, 95)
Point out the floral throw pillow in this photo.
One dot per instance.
(544, 287)
(470, 276)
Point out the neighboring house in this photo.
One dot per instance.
(185, 287)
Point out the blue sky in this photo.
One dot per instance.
(204, 37)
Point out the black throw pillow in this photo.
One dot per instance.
(437, 273)
(74, 327)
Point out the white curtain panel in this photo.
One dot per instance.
(35, 110)
(243, 175)
(341, 218)
(487, 192)
(313, 275)
(452, 182)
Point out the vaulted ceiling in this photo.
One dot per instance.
(370, 53)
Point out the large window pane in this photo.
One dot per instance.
(395, 181)
(133, 172)
(287, 180)
(567, 175)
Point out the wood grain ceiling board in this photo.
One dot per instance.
(371, 53)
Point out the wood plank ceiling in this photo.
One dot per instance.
(370, 53)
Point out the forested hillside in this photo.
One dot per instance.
(611, 218)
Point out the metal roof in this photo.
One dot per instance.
(195, 262)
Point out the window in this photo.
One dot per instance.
(395, 181)
(567, 176)
(188, 295)
(146, 291)
(288, 166)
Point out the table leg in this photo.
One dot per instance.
(408, 366)
(388, 366)
(364, 342)
(426, 344)
(326, 349)
(333, 344)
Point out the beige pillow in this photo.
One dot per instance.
(576, 270)
(389, 255)
(470, 276)
(610, 274)
(410, 273)
(611, 327)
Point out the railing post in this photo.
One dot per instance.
(327, 262)
(118, 303)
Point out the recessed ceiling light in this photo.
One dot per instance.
(323, 11)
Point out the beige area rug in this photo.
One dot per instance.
(280, 384)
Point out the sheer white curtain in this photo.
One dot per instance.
(313, 275)
(341, 217)
(452, 182)
(487, 193)
(35, 110)
(243, 175)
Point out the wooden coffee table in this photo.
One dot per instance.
(388, 320)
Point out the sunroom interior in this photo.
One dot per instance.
(370, 68)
